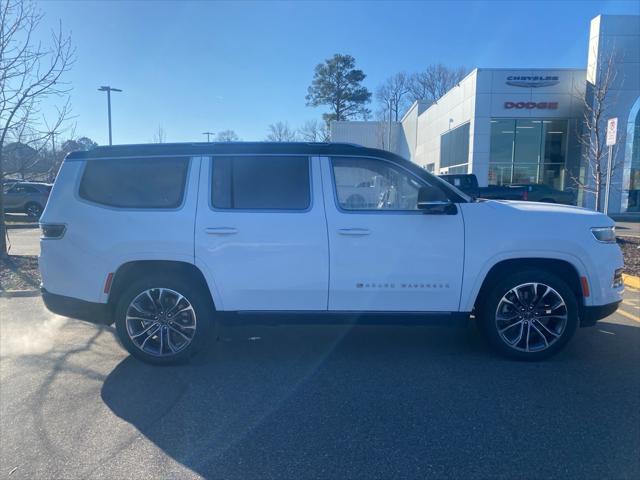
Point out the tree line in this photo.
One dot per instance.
(338, 85)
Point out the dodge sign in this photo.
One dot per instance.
(531, 105)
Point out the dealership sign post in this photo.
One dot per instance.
(612, 133)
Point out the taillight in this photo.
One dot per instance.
(53, 230)
(618, 281)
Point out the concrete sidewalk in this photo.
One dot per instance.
(628, 229)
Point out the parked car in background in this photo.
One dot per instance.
(503, 192)
(274, 233)
(26, 197)
(533, 192)
(539, 192)
(465, 182)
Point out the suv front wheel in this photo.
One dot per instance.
(163, 320)
(529, 315)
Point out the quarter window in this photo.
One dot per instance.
(135, 183)
(261, 183)
(369, 184)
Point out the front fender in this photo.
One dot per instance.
(474, 277)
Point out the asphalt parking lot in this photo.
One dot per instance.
(316, 402)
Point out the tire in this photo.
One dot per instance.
(150, 310)
(33, 209)
(550, 327)
(548, 200)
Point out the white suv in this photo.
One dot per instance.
(166, 240)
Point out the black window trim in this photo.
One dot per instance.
(309, 158)
(185, 185)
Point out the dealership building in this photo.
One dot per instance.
(512, 126)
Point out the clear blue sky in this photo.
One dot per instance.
(199, 66)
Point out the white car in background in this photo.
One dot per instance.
(166, 240)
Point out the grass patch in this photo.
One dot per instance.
(631, 251)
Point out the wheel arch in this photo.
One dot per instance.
(559, 267)
(129, 271)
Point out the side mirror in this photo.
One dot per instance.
(432, 201)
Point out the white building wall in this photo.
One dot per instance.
(409, 122)
(368, 134)
(617, 36)
(454, 109)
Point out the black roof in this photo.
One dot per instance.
(230, 148)
(261, 148)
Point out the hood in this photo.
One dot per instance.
(554, 210)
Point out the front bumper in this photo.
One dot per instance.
(99, 313)
(592, 313)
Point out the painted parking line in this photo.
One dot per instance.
(624, 313)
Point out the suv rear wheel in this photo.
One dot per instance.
(163, 320)
(529, 315)
(33, 209)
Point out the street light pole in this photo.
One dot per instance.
(109, 89)
(208, 134)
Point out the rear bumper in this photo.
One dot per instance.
(98, 313)
(591, 314)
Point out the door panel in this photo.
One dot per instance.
(385, 255)
(262, 259)
(15, 196)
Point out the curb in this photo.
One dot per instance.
(19, 293)
(11, 226)
(631, 281)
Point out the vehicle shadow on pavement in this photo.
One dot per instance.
(381, 401)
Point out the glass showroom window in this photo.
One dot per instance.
(454, 150)
(633, 204)
(528, 151)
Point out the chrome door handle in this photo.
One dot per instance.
(221, 231)
(354, 231)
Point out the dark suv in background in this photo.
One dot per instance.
(539, 192)
(533, 192)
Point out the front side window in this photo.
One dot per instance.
(261, 183)
(135, 182)
(370, 184)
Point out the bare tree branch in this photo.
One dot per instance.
(30, 73)
(281, 132)
(392, 95)
(596, 103)
(314, 131)
(433, 82)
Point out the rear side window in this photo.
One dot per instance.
(135, 183)
(260, 183)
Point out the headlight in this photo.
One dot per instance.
(604, 234)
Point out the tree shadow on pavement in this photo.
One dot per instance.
(380, 402)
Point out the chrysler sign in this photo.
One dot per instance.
(533, 81)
